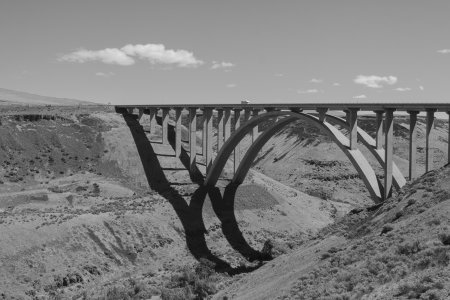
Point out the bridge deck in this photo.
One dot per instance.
(443, 106)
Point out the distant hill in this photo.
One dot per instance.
(11, 97)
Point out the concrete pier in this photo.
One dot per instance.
(237, 150)
(379, 129)
(220, 127)
(192, 138)
(178, 112)
(413, 144)
(353, 122)
(389, 149)
(429, 151)
(165, 125)
(209, 137)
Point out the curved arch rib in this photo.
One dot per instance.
(356, 157)
(369, 142)
(252, 152)
(224, 153)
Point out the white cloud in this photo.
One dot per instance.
(336, 84)
(421, 87)
(158, 54)
(374, 81)
(444, 51)
(360, 97)
(315, 80)
(125, 56)
(111, 56)
(221, 65)
(279, 75)
(310, 91)
(231, 85)
(103, 74)
(401, 89)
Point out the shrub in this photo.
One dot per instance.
(386, 229)
(192, 283)
(408, 248)
(445, 238)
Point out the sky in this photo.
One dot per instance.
(153, 52)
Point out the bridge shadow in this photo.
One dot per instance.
(190, 214)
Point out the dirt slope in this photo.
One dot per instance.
(399, 250)
(78, 219)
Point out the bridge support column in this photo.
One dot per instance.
(152, 113)
(165, 125)
(227, 124)
(204, 132)
(412, 144)
(322, 114)
(247, 116)
(208, 113)
(178, 112)
(219, 129)
(255, 131)
(379, 129)
(429, 140)
(237, 149)
(353, 130)
(192, 138)
(389, 152)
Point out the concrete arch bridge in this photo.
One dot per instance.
(246, 119)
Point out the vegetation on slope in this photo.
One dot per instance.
(397, 250)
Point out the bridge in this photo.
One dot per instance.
(246, 118)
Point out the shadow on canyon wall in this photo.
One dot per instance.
(190, 214)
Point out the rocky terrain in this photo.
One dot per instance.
(94, 207)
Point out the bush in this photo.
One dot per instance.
(445, 238)
(409, 248)
(192, 283)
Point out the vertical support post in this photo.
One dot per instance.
(204, 132)
(219, 129)
(227, 124)
(208, 113)
(141, 112)
(247, 116)
(152, 113)
(178, 112)
(347, 116)
(389, 152)
(429, 140)
(255, 131)
(412, 144)
(322, 113)
(353, 122)
(237, 150)
(379, 129)
(165, 125)
(192, 138)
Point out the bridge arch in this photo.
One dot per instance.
(379, 154)
(356, 157)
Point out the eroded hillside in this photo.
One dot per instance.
(397, 250)
(91, 207)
